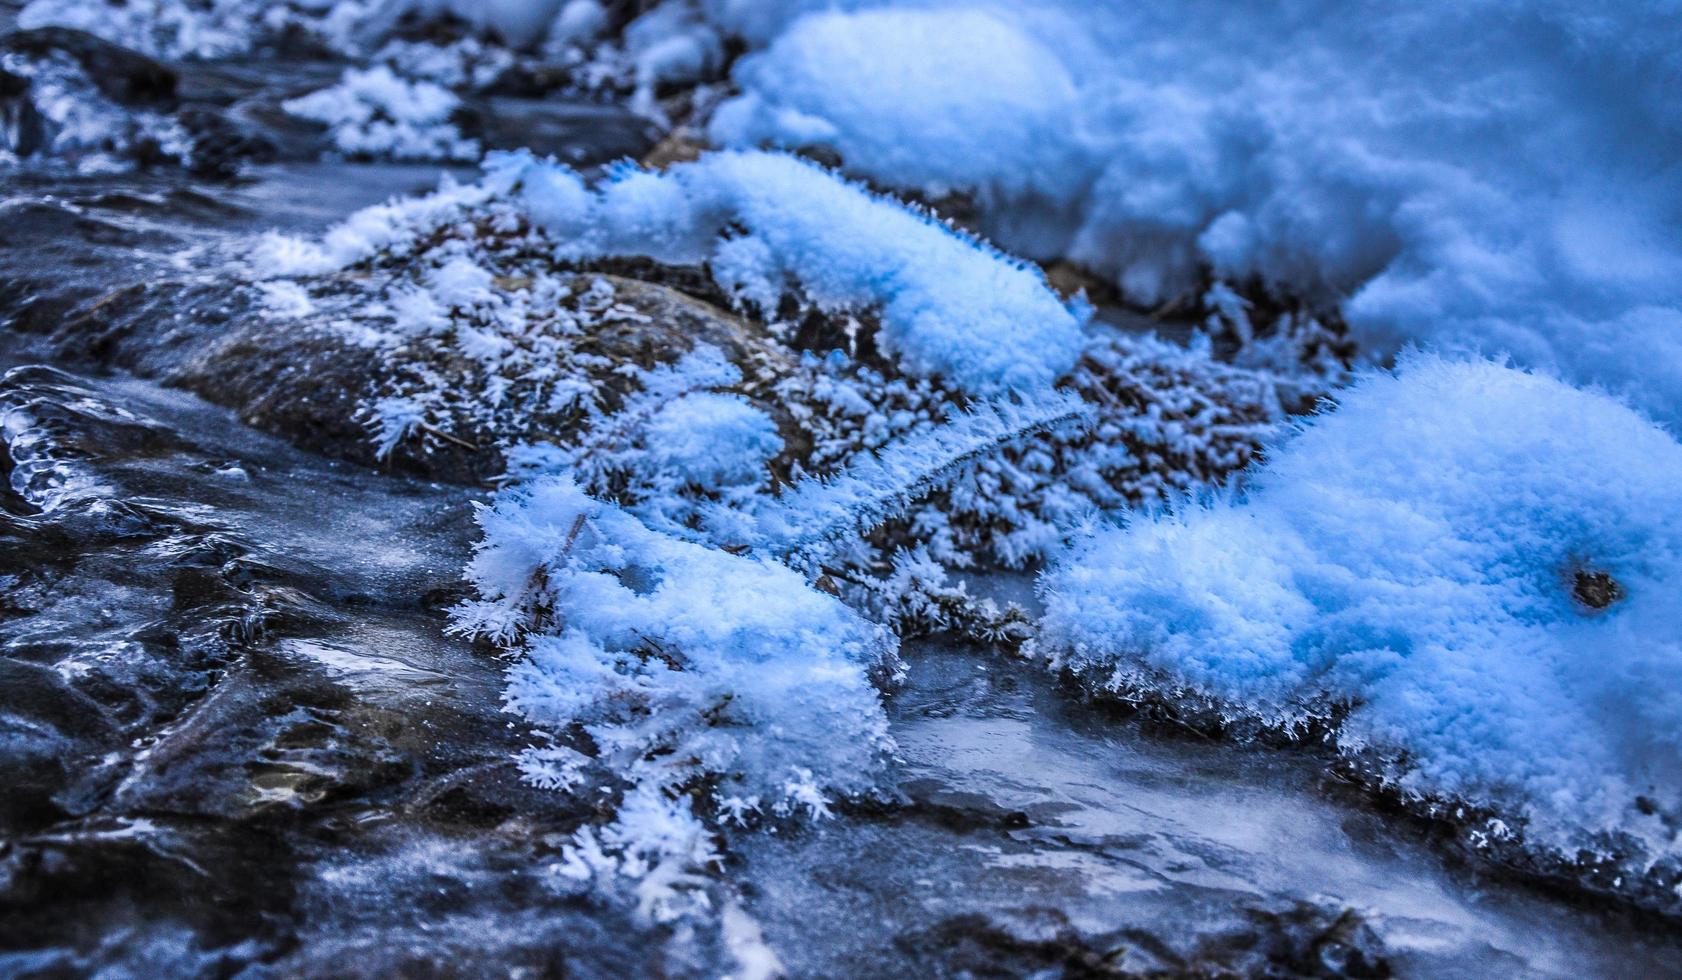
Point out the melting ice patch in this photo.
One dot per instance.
(1485, 563)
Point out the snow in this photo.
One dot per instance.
(1419, 554)
(77, 124)
(1419, 571)
(471, 272)
(769, 224)
(949, 305)
(466, 63)
(712, 440)
(1025, 97)
(364, 233)
(156, 27)
(692, 671)
(518, 22)
(284, 298)
(373, 113)
(667, 643)
(1490, 173)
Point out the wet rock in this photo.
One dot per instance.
(1303, 940)
(221, 146)
(22, 131)
(310, 384)
(976, 946)
(1041, 838)
(213, 119)
(582, 134)
(126, 77)
(228, 715)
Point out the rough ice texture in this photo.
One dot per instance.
(1484, 563)
(1493, 173)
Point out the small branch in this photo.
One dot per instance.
(441, 434)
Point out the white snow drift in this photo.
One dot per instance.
(1486, 563)
(1495, 173)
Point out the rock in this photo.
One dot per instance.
(229, 722)
(125, 77)
(22, 131)
(582, 134)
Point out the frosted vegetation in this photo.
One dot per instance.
(1461, 579)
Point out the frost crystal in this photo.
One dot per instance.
(876, 486)
(676, 669)
(374, 113)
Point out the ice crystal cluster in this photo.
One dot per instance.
(496, 331)
(683, 668)
(1468, 572)
(665, 561)
(374, 113)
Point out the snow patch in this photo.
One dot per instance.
(374, 113)
(1482, 563)
(1489, 173)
